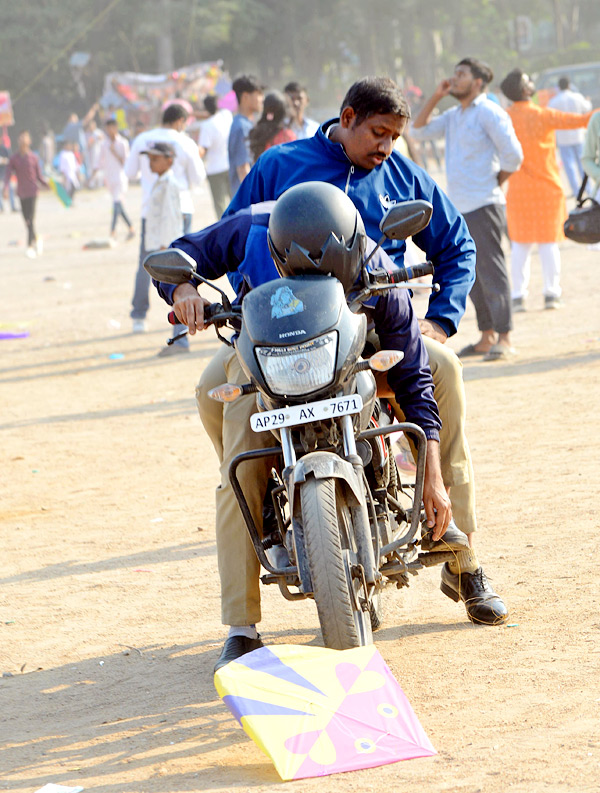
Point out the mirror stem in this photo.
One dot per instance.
(225, 299)
(374, 251)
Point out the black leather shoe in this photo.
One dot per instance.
(484, 606)
(235, 647)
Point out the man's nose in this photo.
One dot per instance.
(386, 145)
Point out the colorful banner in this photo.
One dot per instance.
(7, 118)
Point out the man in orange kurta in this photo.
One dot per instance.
(535, 208)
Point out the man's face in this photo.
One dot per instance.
(299, 102)
(255, 101)
(111, 131)
(371, 142)
(25, 140)
(463, 84)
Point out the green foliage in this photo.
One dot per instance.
(325, 43)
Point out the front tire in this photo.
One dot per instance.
(331, 554)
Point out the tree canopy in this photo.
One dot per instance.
(325, 44)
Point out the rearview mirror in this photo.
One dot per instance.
(170, 266)
(406, 219)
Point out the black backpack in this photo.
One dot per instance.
(583, 223)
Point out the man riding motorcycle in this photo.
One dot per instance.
(313, 227)
(356, 152)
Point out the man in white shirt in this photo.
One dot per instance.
(482, 151)
(111, 159)
(188, 172)
(301, 126)
(212, 142)
(570, 141)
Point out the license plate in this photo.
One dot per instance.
(303, 414)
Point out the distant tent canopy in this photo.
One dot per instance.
(134, 96)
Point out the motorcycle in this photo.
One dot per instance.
(340, 523)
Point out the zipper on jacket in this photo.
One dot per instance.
(350, 172)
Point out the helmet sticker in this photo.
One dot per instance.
(284, 303)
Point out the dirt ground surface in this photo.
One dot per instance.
(109, 599)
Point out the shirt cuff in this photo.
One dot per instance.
(445, 324)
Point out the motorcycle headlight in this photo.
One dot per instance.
(290, 371)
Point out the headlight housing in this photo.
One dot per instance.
(299, 369)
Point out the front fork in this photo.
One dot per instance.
(350, 471)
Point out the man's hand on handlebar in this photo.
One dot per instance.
(189, 306)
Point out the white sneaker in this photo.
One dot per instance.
(30, 253)
(139, 325)
(39, 246)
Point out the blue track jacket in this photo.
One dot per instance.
(446, 241)
(238, 244)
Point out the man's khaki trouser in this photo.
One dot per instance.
(457, 469)
(228, 427)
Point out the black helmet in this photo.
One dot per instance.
(315, 228)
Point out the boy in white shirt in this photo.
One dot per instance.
(164, 221)
(189, 172)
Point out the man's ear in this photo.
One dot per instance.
(347, 117)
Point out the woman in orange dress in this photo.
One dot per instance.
(535, 201)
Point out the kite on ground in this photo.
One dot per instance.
(315, 711)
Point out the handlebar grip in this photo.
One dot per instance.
(419, 270)
(404, 274)
(209, 311)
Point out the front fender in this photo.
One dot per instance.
(327, 465)
(324, 465)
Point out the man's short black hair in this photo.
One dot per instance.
(174, 113)
(479, 69)
(246, 84)
(210, 104)
(110, 122)
(512, 85)
(373, 96)
(295, 88)
(563, 83)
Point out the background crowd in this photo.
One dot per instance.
(486, 138)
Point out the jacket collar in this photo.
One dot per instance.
(334, 150)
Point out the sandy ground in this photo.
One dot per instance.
(109, 604)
